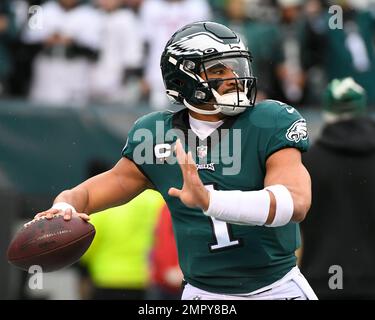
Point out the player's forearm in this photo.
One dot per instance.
(301, 203)
(111, 188)
(77, 198)
(299, 186)
(90, 196)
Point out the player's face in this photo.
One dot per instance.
(227, 69)
(222, 72)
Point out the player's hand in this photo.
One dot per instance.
(67, 213)
(193, 192)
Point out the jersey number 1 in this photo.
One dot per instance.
(222, 233)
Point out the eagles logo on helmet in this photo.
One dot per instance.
(192, 58)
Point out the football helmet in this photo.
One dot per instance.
(198, 59)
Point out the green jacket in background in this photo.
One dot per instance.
(6, 36)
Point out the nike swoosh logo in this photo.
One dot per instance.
(290, 110)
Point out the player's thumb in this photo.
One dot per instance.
(173, 192)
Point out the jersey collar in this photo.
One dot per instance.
(180, 120)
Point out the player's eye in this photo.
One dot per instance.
(216, 71)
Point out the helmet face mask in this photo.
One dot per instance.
(206, 64)
(231, 82)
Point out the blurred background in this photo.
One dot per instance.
(75, 74)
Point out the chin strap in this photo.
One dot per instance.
(233, 98)
(230, 102)
(201, 111)
(233, 104)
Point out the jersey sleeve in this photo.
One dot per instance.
(142, 134)
(130, 144)
(290, 130)
(139, 144)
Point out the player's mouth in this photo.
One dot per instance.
(233, 90)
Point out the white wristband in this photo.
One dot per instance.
(63, 206)
(239, 207)
(284, 205)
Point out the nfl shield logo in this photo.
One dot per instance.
(201, 152)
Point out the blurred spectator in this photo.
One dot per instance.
(23, 55)
(62, 69)
(263, 39)
(165, 270)
(134, 5)
(160, 19)
(7, 34)
(291, 75)
(217, 6)
(117, 261)
(121, 53)
(313, 57)
(340, 228)
(348, 50)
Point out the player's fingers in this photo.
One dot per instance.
(193, 176)
(44, 213)
(51, 212)
(191, 162)
(181, 158)
(187, 167)
(68, 214)
(173, 192)
(39, 214)
(180, 153)
(84, 216)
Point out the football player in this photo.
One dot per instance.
(236, 226)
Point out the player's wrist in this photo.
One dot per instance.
(63, 206)
(206, 200)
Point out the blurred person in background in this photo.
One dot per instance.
(160, 19)
(340, 229)
(69, 39)
(262, 35)
(347, 50)
(116, 266)
(291, 75)
(121, 54)
(134, 5)
(165, 271)
(7, 35)
(313, 57)
(22, 54)
(217, 6)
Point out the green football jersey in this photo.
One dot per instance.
(214, 255)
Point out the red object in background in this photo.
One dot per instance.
(165, 270)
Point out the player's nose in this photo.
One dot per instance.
(231, 85)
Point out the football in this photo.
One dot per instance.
(51, 244)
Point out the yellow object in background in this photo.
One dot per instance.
(119, 255)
